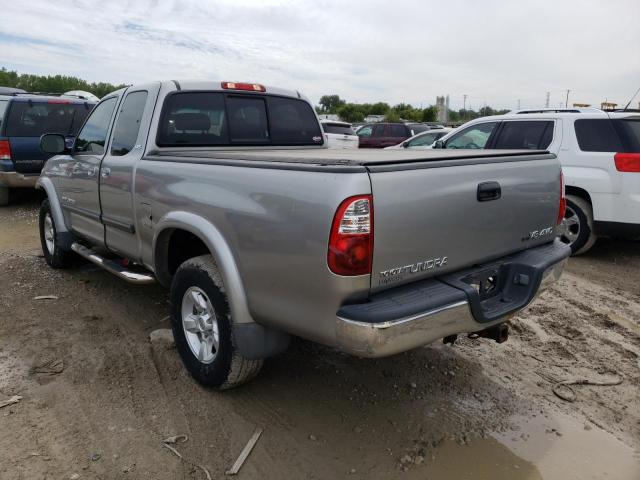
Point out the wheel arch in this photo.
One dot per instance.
(173, 230)
(578, 192)
(45, 184)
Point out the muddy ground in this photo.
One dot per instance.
(98, 397)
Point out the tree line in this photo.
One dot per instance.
(356, 112)
(53, 83)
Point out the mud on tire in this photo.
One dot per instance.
(196, 289)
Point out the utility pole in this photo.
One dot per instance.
(566, 103)
(546, 103)
(464, 106)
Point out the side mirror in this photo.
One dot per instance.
(405, 144)
(53, 143)
(438, 144)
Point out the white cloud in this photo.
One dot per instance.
(496, 51)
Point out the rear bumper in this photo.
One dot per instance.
(17, 180)
(388, 323)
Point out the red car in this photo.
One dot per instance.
(381, 135)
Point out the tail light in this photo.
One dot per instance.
(563, 201)
(351, 239)
(627, 162)
(5, 150)
(251, 87)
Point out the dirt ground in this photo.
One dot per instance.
(98, 397)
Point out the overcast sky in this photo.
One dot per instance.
(495, 51)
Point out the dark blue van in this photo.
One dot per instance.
(24, 117)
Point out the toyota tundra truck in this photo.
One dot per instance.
(226, 194)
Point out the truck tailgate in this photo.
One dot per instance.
(441, 216)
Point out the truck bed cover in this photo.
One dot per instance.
(346, 158)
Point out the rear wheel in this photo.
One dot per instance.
(201, 324)
(578, 225)
(54, 255)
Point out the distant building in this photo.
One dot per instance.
(608, 105)
(581, 105)
(329, 116)
(442, 107)
(374, 118)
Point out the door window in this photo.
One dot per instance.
(125, 132)
(378, 131)
(396, 131)
(425, 139)
(475, 136)
(365, 131)
(93, 135)
(528, 135)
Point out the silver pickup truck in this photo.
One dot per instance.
(226, 194)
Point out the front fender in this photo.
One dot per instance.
(219, 248)
(46, 184)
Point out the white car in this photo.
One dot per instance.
(423, 139)
(339, 134)
(600, 156)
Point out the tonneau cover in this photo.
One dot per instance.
(315, 156)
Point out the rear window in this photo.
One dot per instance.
(216, 119)
(337, 128)
(597, 135)
(531, 135)
(32, 119)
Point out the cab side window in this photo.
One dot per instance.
(125, 132)
(93, 135)
(475, 136)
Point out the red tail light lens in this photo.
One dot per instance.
(627, 162)
(251, 87)
(351, 240)
(5, 150)
(563, 201)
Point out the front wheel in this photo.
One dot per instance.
(578, 225)
(54, 255)
(201, 324)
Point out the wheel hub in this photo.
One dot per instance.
(200, 325)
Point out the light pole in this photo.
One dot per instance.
(566, 102)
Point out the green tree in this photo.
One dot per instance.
(351, 112)
(330, 103)
(429, 114)
(53, 83)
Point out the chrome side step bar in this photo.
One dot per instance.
(113, 267)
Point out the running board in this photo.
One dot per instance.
(113, 267)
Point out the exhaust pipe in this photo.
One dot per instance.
(499, 333)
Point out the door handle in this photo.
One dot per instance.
(488, 191)
(106, 172)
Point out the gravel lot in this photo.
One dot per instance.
(98, 397)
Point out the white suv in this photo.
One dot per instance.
(600, 156)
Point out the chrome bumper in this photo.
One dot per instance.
(399, 335)
(17, 180)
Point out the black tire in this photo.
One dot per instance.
(228, 368)
(54, 255)
(579, 219)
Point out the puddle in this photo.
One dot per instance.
(572, 452)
